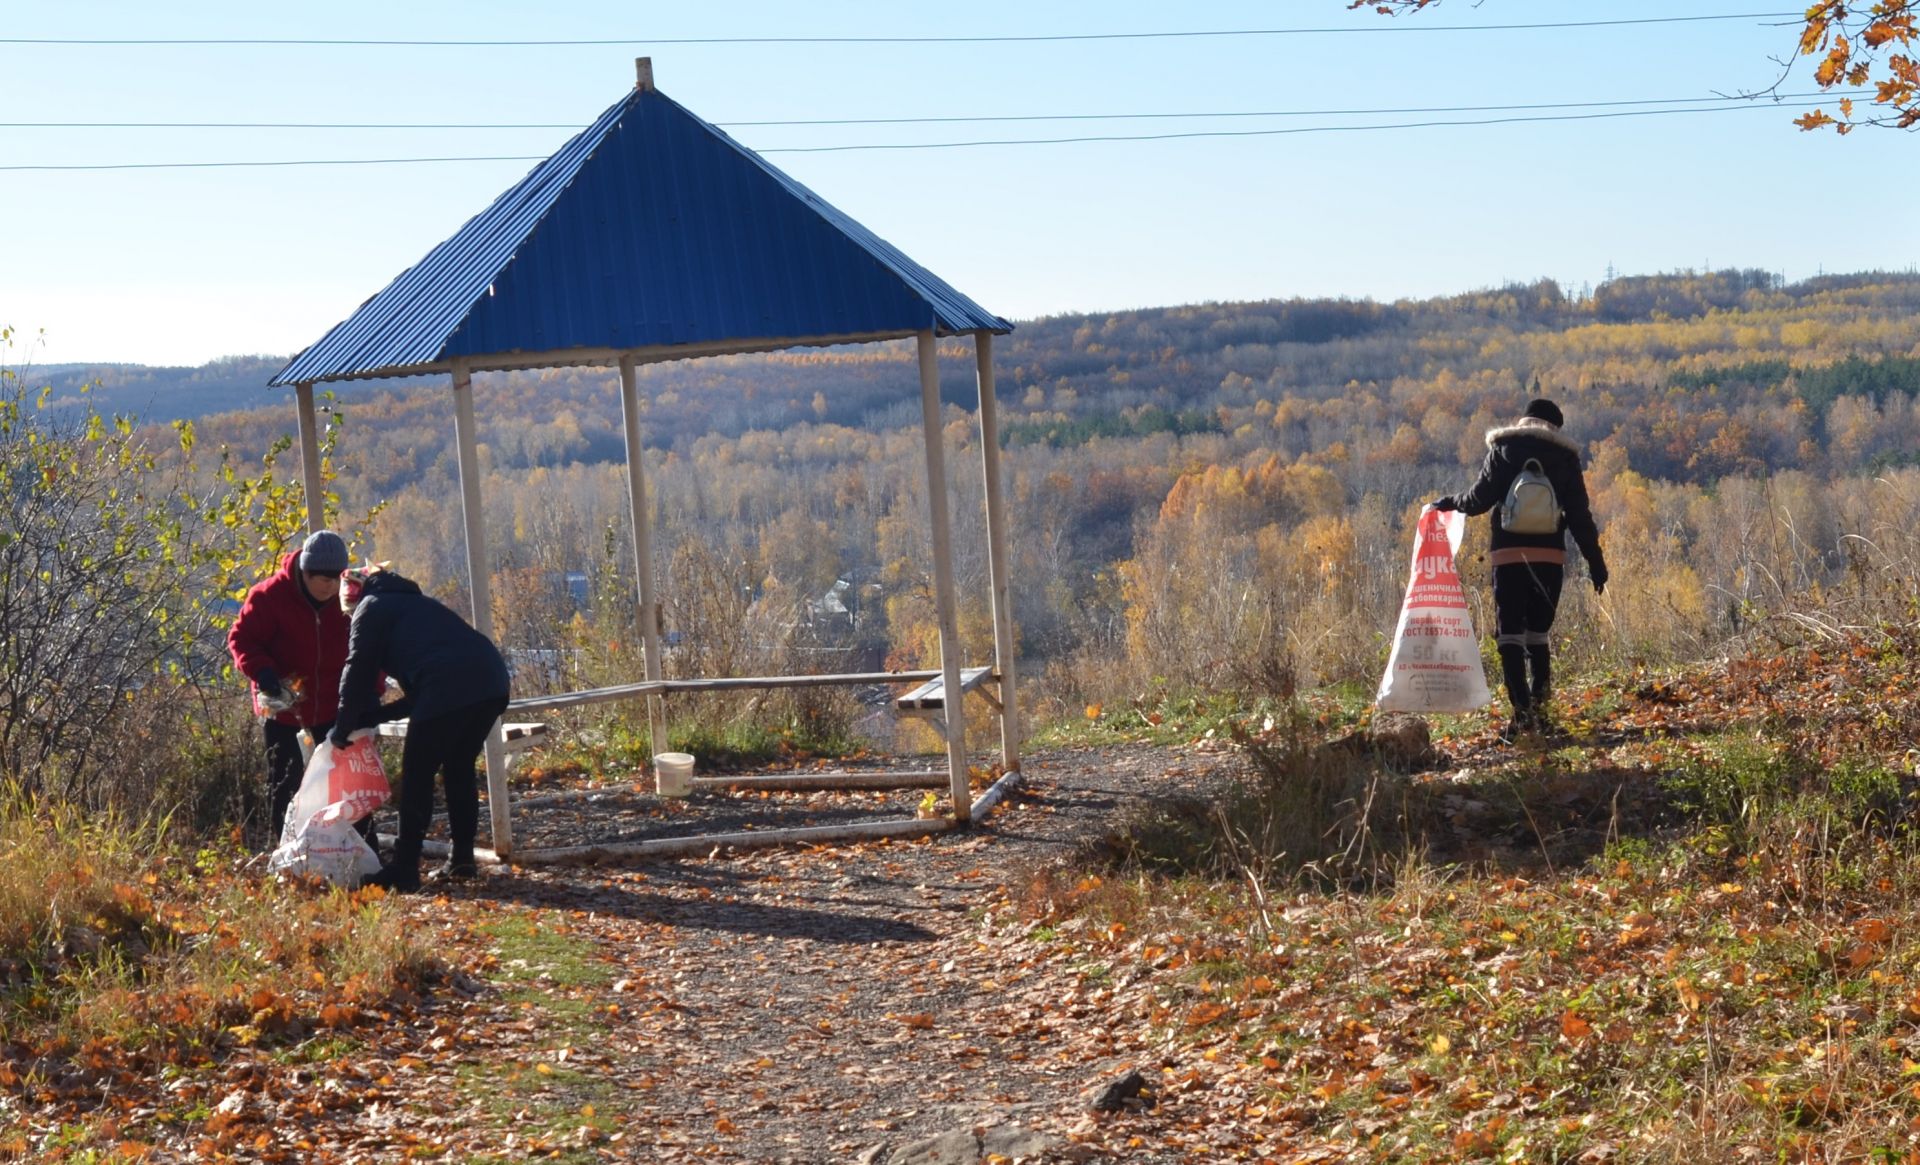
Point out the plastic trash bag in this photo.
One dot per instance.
(1435, 664)
(341, 786)
(332, 849)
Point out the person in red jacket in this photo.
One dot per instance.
(290, 641)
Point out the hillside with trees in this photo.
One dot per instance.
(1748, 441)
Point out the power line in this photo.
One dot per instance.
(976, 119)
(1225, 133)
(1240, 133)
(1278, 112)
(288, 162)
(302, 124)
(816, 40)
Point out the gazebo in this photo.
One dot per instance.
(653, 236)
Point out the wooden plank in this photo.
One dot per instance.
(479, 582)
(932, 695)
(1005, 662)
(811, 782)
(586, 696)
(812, 681)
(514, 736)
(1008, 782)
(642, 546)
(945, 602)
(607, 357)
(705, 844)
(316, 493)
(441, 849)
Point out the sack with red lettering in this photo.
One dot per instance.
(1435, 664)
(341, 786)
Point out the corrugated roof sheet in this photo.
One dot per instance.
(649, 228)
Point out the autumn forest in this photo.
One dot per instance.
(1215, 495)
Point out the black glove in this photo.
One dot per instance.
(339, 737)
(1444, 505)
(268, 681)
(1599, 576)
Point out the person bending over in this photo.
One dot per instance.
(455, 685)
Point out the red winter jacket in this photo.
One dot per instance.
(279, 629)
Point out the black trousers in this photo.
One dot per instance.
(449, 746)
(1526, 596)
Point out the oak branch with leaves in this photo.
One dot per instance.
(1858, 45)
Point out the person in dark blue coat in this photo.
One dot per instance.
(1528, 569)
(455, 685)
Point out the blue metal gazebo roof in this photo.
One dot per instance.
(651, 229)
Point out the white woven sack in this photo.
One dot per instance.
(1435, 663)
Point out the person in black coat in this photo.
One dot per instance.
(455, 686)
(1528, 569)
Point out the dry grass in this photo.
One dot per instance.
(110, 937)
(1699, 941)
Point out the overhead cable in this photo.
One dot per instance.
(357, 42)
(1223, 133)
(1248, 133)
(971, 119)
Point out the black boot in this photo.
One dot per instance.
(1542, 664)
(1523, 723)
(401, 875)
(394, 877)
(461, 867)
(1513, 669)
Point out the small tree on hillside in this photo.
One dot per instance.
(117, 571)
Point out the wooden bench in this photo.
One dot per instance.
(930, 698)
(515, 737)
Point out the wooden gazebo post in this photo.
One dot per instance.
(954, 719)
(642, 549)
(310, 458)
(1004, 649)
(479, 585)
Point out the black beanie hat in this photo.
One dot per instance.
(1546, 410)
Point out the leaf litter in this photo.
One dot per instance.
(1676, 989)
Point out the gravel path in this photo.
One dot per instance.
(844, 1003)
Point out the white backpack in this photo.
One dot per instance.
(1530, 507)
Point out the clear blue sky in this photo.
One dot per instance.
(181, 266)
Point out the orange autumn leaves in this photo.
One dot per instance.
(1851, 40)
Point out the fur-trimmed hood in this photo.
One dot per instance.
(1533, 427)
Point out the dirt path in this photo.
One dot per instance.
(862, 1003)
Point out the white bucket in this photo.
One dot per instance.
(673, 773)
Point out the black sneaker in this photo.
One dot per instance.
(395, 878)
(454, 870)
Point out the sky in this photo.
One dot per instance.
(184, 265)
